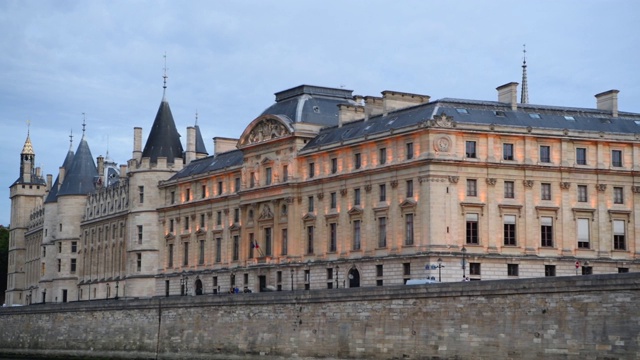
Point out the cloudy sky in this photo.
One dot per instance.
(226, 59)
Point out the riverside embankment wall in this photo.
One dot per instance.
(582, 317)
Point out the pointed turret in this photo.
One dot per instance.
(524, 97)
(201, 149)
(82, 173)
(164, 139)
(66, 165)
(28, 173)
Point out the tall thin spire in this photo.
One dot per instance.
(71, 139)
(524, 97)
(164, 77)
(84, 123)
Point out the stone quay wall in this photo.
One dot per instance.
(581, 317)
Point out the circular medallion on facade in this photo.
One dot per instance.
(442, 144)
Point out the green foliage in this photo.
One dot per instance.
(4, 259)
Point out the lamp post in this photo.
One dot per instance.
(440, 266)
(337, 276)
(292, 279)
(117, 283)
(464, 263)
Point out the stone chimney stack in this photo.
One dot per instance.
(608, 100)
(190, 154)
(123, 171)
(394, 100)
(137, 143)
(508, 93)
(100, 161)
(61, 177)
(348, 113)
(49, 181)
(372, 106)
(221, 144)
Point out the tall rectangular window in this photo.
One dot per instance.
(334, 165)
(582, 193)
(236, 216)
(268, 176)
(252, 179)
(219, 218)
(139, 262)
(382, 155)
(382, 232)
(334, 200)
(357, 161)
(356, 235)
(172, 197)
(285, 173)
(616, 158)
(203, 191)
(472, 188)
(546, 231)
(581, 156)
(218, 250)
(618, 196)
(236, 247)
(139, 234)
(187, 195)
(252, 245)
(237, 184)
(409, 151)
(409, 188)
(545, 191)
(170, 256)
(219, 188)
(619, 242)
(201, 253)
(311, 207)
(185, 254)
(507, 151)
(583, 233)
(508, 190)
(383, 192)
(545, 154)
(202, 221)
(470, 149)
(312, 170)
(285, 242)
(59, 265)
(310, 239)
(74, 246)
(141, 193)
(509, 229)
(73, 266)
(268, 242)
(333, 237)
(186, 223)
(472, 228)
(408, 229)
(356, 196)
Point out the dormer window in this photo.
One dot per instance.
(569, 118)
(534, 116)
(462, 111)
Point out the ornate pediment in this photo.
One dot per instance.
(309, 217)
(264, 129)
(266, 213)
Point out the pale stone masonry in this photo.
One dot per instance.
(325, 189)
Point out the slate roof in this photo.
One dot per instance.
(484, 112)
(200, 147)
(310, 104)
(210, 163)
(164, 139)
(82, 174)
(53, 192)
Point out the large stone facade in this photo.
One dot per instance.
(330, 190)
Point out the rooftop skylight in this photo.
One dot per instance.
(534, 116)
(570, 118)
(462, 111)
(499, 113)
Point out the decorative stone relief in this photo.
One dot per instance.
(320, 196)
(266, 130)
(565, 185)
(635, 189)
(454, 179)
(442, 144)
(491, 181)
(343, 191)
(527, 183)
(367, 188)
(444, 121)
(394, 183)
(266, 213)
(601, 187)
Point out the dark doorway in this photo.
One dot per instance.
(354, 278)
(64, 296)
(198, 287)
(166, 288)
(263, 282)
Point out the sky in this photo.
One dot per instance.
(65, 62)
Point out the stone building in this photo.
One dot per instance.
(325, 189)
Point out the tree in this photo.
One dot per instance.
(4, 260)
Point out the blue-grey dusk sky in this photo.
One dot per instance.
(226, 59)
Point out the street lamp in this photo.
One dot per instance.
(292, 279)
(337, 276)
(440, 266)
(464, 264)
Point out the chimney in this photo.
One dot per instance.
(508, 93)
(137, 143)
(123, 171)
(394, 100)
(372, 106)
(221, 144)
(38, 172)
(608, 100)
(100, 161)
(348, 113)
(190, 154)
(61, 177)
(49, 181)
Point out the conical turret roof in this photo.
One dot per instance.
(164, 139)
(82, 173)
(53, 193)
(200, 148)
(27, 149)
